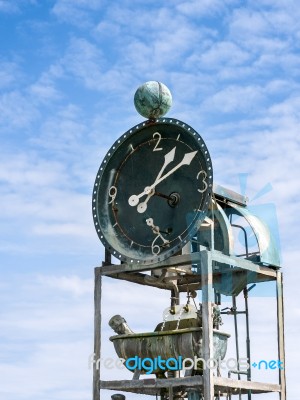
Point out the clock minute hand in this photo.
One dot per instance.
(187, 159)
(169, 157)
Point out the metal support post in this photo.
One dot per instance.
(280, 334)
(97, 334)
(207, 299)
(237, 351)
(246, 291)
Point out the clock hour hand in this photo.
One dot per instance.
(142, 207)
(135, 198)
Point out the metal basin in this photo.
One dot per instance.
(186, 343)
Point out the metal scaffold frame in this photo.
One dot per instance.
(210, 385)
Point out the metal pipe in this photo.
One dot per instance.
(233, 312)
(236, 372)
(97, 333)
(175, 301)
(236, 335)
(246, 291)
(245, 235)
(107, 258)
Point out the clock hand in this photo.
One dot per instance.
(169, 157)
(164, 196)
(142, 207)
(187, 159)
(134, 199)
(173, 200)
(156, 230)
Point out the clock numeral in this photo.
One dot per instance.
(155, 248)
(158, 136)
(204, 176)
(112, 194)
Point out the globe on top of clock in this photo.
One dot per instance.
(153, 100)
(154, 186)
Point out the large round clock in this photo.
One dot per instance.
(152, 191)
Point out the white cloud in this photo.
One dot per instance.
(222, 54)
(247, 22)
(7, 7)
(77, 12)
(16, 111)
(85, 62)
(56, 230)
(44, 90)
(50, 372)
(71, 284)
(107, 29)
(63, 132)
(265, 30)
(235, 99)
(9, 73)
(41, 197)
(30, 171)
(204, 8)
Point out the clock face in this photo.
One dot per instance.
(152, 191)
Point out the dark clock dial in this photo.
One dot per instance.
(152, 191)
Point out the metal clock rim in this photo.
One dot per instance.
(130, 132)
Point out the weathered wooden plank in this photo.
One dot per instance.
(97, 333)
(280, 333)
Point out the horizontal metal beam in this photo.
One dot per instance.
(226, 194)
(142, 279)
(187, 282)
(175, 261)
(234, 264)
(153, 386)
(242, 263)
(256, 387)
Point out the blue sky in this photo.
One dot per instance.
(68, 73)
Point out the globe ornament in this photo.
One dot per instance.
(153, 100)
